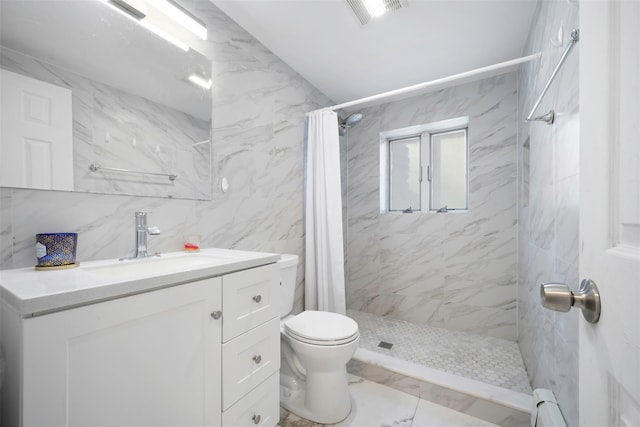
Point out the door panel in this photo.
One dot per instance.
(36, 143)
(610, 210)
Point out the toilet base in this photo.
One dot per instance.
(293, 400)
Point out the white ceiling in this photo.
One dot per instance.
(430, 39)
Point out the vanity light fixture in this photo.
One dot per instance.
(364, 10)
(181, 16)
(141, 18)
(200, 81)
(125, 8)
(168, 37)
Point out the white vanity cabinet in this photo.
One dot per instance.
(156, 358)
(151, 359)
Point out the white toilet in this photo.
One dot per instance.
(316, 346)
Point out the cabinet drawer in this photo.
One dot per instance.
(249, 298)
(261, 407)
(248, 360)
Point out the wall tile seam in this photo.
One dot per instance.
(519, 129)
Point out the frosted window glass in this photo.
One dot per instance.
(404, 174)
(449, 170)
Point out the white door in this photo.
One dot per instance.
(36, 146)
(610, 210)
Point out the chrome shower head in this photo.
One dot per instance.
(351, 120)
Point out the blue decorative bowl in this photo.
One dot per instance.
(56, 249)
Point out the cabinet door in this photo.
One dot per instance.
(151, 359)
(251, 297)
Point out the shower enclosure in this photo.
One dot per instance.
(438, 289)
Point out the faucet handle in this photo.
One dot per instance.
(142, 213)
(153, 231)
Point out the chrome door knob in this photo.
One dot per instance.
(558, 297)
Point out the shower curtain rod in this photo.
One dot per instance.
(436, 82)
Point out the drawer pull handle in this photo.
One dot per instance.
(256, 419)
(216, 314)
(257, 358)
(257, 298)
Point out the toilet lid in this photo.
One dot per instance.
(322, 326)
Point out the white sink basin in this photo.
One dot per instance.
(158, 265)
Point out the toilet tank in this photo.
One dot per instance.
(288, 270)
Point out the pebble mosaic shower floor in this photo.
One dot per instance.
(487, 359)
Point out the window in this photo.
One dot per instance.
(405, 173)
(424, 168)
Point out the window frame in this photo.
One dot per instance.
(425, 133)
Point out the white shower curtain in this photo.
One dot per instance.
(324, 265)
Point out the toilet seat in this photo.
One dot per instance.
(322, 328)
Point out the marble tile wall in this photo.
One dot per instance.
(453, 270)
(549, 206)
(259, 106)
(121, 130)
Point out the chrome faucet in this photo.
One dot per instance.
(142, 229)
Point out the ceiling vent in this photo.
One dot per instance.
(364, 10)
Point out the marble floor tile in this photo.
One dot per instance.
(431, 415)
(373, 405)
(378, 405)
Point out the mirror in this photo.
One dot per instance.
(135, 116)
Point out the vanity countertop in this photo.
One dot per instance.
(32, 292)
